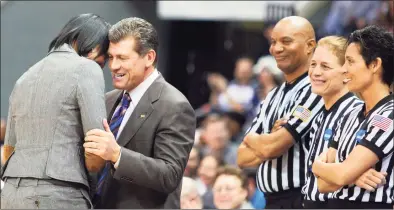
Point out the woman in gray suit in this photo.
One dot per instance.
(51, 107)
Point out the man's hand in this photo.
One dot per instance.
(323, 157)
(371, 179)
(102, 143)
(278, 124)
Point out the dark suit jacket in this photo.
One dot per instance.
(156, 142)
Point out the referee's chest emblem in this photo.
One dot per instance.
(360, 135)
(327, 134)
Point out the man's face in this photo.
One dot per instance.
(228, 192)
(126, 65)
(243, 70)
(216, 134)
(288, 47)
(207, 170)
(326, 73)
(191, 200)
(234, 126)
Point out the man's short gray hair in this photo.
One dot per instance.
(188, 185)
(141, 30)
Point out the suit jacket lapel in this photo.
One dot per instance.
(141, 112)
(112, 103)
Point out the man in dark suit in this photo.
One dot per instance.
(151, 126)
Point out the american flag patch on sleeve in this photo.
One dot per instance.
(302, 113)
(381, 122)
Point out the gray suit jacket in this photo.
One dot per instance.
(156, 142)
(51, 107)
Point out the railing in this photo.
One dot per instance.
(275, 11)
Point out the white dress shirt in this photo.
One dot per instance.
(136, 95)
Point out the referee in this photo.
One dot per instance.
(282, 154)
(326, 76)
(365, 138)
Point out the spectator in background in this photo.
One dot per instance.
(217, 83)
(334, 22)
(238, 95)
(361, 14)
(190, 199)
(207, 171)
(255, 196)
(386, 16)
(347, 16)
(192, 163)
(235, 122)
(216, 138)
(268, 74)
(230, 189)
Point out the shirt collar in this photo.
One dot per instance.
(336, 105)
(137, 93)
(63, 48)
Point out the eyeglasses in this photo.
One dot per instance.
(224, 188)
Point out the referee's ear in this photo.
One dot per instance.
(376, 65)
(311, 45)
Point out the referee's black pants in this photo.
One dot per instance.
(288, 199)
(346, 204)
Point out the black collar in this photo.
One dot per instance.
(288, 86)
(379, 104)
(338, 102)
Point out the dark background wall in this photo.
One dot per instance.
(27, 27)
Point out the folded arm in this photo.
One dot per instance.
(323, 185)
(246, 157)
(164, 171)
(269, 146)
(374, 146)
(279, 142)
(359, 161)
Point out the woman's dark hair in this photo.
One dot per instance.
(87, 31)
(376, 42)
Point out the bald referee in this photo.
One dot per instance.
(282, 154)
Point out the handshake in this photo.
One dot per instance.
(100, 146)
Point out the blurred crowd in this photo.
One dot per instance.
(347, 16)
(212, 179)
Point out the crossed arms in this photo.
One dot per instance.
(256, 148)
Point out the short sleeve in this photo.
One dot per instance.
(379, 136)
(305, 109)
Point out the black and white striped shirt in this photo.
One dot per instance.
(299, 105)
(374, 131)
(322, 132)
